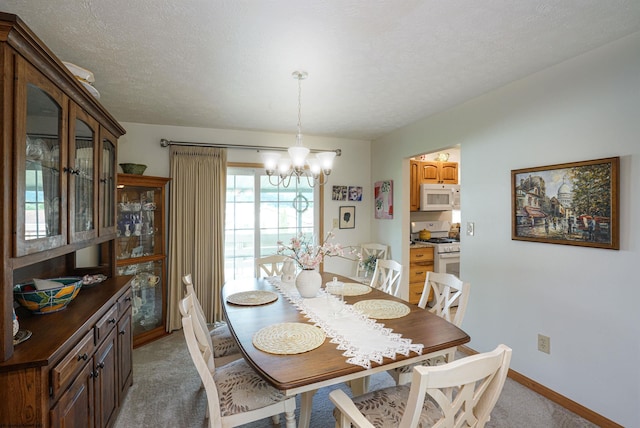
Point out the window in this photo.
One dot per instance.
(258, 215)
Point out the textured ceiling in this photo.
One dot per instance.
(374, 65)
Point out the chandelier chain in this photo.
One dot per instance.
(299, 136)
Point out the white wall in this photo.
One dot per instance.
(141, 144)
(585, 299)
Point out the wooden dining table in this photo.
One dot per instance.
(325, 365)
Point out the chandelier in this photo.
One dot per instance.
(314, 168)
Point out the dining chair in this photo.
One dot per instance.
(387, 275)
(223, 345)
(448, 291)
(269, 265)
(379, 251)
(236, 394)
(460, 393)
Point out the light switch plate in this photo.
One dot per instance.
(335, 223)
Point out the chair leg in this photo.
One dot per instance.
(275, 420)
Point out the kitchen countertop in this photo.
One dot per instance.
(421, 245)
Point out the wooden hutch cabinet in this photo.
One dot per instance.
(59, 151)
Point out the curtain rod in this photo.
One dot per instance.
(165, 143)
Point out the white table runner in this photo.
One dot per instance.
(362, 339)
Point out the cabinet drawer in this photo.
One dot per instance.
(418, 273)
(424, 254)
(72, 363)
(415, 292)
(124, 302)
(106, 324)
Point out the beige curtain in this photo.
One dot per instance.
(196, 228)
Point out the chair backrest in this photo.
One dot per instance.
(465, 390)
(202, 356)
(387, 276)
(198, 312)
(269, 265)
(446, 289)
(379, 251)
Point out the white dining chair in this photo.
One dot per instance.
(223, 345)
(269, 265)
(236, 394)
(379, 251)
(448, 291)
(387, 276)
(460, 394)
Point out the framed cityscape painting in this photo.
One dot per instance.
(572, 204)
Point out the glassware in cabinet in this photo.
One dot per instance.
(148, 302)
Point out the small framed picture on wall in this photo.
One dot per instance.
(355, 193)
(339, 193)
(347, 217)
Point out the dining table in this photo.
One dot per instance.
(305, 372)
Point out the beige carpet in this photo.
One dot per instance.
(166, 393)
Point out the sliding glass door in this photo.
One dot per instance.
(258, 215)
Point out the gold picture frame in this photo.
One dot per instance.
(572, 204)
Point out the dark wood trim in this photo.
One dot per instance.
(550, 394)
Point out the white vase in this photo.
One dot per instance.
(308, 283)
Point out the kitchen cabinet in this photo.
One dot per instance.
(140, 251)
(426, 172)
(439, 172)
(414, 180)
(420, 262)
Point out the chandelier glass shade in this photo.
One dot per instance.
(298, 164)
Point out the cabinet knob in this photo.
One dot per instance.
(96, 374)
(122, 332)
(111, 321)
(127, 299)
(84, 357)
(101, 365)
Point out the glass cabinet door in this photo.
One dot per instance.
(40, 215)
(139, 228)
(107, 183)
(83, 200)
(148, 295)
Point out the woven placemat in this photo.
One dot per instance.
(288, 338)
(355, 289)
(382, 309)
(252, 298)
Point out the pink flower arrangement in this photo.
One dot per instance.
(309, 255)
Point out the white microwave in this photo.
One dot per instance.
(439, 197)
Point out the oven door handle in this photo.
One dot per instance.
(449, 255)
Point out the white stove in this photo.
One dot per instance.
(446, 251)
(440, 239)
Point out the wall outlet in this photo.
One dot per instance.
(544, 344)
(335, 223)
(471, 228)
